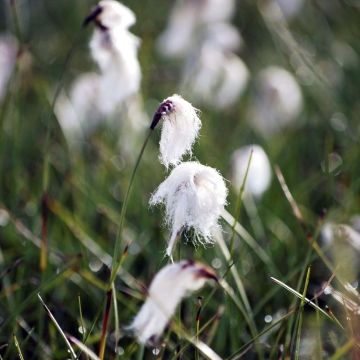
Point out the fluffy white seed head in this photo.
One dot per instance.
(115, 51)
(185, 20)
(223, 36)
(194, 196)
(180, 128)
(170, 285)
(278, 100)
(214, 75)
(259, 175)
(110, 14)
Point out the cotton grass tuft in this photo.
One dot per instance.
(194, 196)
(171, 284)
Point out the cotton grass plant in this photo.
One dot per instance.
(82, 266)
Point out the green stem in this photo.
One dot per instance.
(116, 257)
(298, 337)
(238, 205)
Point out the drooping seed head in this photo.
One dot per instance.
(180, 128)
(170, 285)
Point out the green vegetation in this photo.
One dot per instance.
(61, 208)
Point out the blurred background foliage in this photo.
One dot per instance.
(319, 46)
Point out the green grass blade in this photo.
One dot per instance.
(83, 348)
(17, 345)
(298, 336)
(305, 299)
(343, 350)
(71, 350)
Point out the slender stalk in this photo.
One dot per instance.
(298, 337)
(198, 326)
(83, 331)
(238, 205)
(17, 345)
(71, 350)
(141, 351)
(116, 314)
(116, 260)
(105, 324)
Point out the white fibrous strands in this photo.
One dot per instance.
(180, 128)
(194, 196)
(170, 285)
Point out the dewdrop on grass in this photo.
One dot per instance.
(259, 175)
(170, 285)
(180, 128)
(194, 196)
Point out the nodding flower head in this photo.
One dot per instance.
(170, 285)
(180, 128)
(164, 109)
(194, 196)
(109, 14)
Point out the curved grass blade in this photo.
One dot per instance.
(306, 300)
(83, 348)
(71, 350)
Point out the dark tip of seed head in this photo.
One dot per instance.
(187, 263)
(208, 273)
(165, 108)
(93, 15)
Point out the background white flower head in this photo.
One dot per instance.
(214, 74)
(180, 128)
(185, 20)
(112, 14)
(94, 97)
(278, 100)
(171, 284)
(115, 50)
(259, 175)
(194, 196)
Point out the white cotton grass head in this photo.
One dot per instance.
(194, 196)
(259, 174)
(214, 75)
(278, 100)
(110, 14)
(180, 128)
(170, 285)
(115, 51)
(186, 19)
